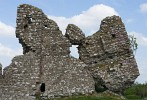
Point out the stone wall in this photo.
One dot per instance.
(47, 69)
(1, 80)
(46, 60)
(109, 56)
(0, 70)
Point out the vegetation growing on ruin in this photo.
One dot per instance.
(133, 43)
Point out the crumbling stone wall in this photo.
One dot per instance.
(47, 69)
(1, 80)
(46, 61)
(0, 70)
(109, 56)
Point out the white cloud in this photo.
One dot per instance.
(88, 20)
(143, 7)
(141, 40)
(6, 51)
(6, 30)
(7, 54)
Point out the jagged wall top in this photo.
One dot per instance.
(35, 31)
(74, 34)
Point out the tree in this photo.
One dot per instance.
(133, 43)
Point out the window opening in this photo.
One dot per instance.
(74, 51)
(42, 87)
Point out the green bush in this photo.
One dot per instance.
(138, 90)
(130, 91)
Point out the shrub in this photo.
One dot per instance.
(138, 90)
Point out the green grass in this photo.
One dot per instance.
(88, 98)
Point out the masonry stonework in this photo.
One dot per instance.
(0, 70)
(109, 56)
(46, 67)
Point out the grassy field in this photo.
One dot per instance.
(89, 98)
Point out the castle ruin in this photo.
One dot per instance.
(46, 68)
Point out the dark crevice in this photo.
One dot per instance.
(121, 64)
(100, 88)
(45, 26)
(110, 56)
(113, 36)
(87, 43)
(29, 19)
(95, 62)
(25, 26)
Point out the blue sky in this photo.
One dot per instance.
(87, 14)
